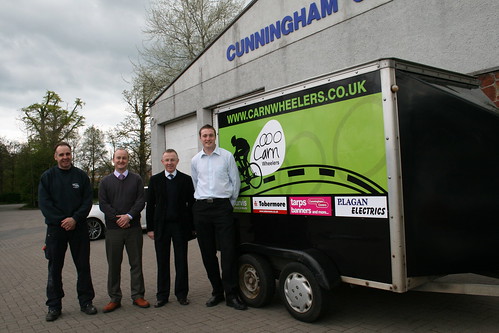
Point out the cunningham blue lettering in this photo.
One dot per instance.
(288, 24)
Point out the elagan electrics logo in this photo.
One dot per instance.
(369, 207)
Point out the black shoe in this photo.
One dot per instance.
(183, 301)
(52, 315)
(89, 309)
(160, 303)
(235, 303)
(214, 300)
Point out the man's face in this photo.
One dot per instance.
(120, 160)
(207, 138)
(63, 157)
(170, 161)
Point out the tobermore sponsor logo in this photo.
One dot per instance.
(370, 207)
(316, 206)
(270, 205)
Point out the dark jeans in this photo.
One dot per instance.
(172, 232)
(215, 223)
(57, 241)
(132, 240)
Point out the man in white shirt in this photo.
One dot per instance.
(216, 182)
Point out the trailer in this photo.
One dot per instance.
(383, 175)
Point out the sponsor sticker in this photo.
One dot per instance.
(316, 206)
(370, 207)
(270, 205)
(243, 205)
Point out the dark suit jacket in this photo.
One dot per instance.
(156, 209)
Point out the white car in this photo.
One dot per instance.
(97, 225)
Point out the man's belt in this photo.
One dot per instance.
(211, 200)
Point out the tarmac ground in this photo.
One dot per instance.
(23, 277)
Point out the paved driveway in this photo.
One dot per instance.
(23, 274)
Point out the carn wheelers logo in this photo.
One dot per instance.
(269, 149)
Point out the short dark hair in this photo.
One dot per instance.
(62, 143)
(207, 126)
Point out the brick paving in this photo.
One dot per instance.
(23, 274)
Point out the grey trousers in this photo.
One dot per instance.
(131, 239)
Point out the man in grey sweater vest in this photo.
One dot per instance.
(121, 198)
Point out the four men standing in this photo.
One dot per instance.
(65, 198)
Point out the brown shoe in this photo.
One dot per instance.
(142, 303)
(111, 306)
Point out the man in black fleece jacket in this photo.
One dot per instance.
(121, 198)
(65, 199)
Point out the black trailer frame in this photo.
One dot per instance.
(433, 120)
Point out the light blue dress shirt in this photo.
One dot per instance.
(215, 175)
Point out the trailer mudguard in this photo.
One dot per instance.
(323, 268)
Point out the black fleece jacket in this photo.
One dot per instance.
(64, 193)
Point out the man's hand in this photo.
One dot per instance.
(150, 234)
(68, 224)
(123, 221)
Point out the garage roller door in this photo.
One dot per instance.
(182, 135)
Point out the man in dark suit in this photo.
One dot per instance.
(169, 218)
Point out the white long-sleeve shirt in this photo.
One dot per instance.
(215, 175)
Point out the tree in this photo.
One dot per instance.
(178, 31)
(133, 132)
(4, 161)
(9, 157)
(46, 124)
(93, 154)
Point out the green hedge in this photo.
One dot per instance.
(10, 198)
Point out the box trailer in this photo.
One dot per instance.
(384, 175)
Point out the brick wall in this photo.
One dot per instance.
(489, 83)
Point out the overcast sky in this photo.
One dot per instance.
(77, 48)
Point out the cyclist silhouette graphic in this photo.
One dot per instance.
(246, 169)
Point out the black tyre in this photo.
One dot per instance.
(304, 299)
(255, 180)
(256, 280)
(96, 229)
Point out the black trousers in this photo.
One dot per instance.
(56, 242)
(215, 223)
(176, 233)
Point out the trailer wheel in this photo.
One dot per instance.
(303, 297)
(256, 280)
